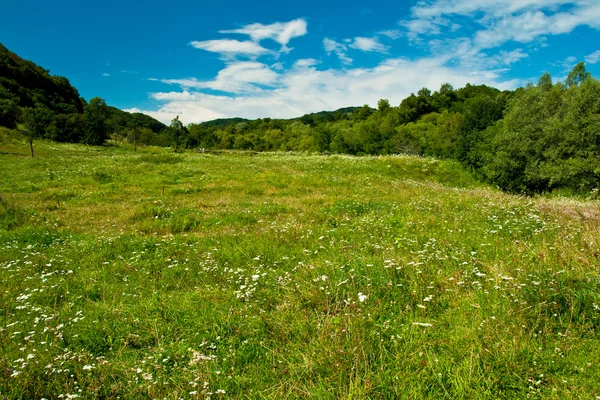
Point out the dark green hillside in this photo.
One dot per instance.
(50, 107)
(29, 85)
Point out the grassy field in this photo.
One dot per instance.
(268, 276)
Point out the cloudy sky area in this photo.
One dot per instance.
(276, 60)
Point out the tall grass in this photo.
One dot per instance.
(161, 275)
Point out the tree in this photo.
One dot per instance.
(96, 128)
(577, 75)
(446, 88)
(362, 113)
(549, 139)
(545, 82)
(178, 131)
(9, 113)
(9, 108)
(35, 121)
(383, 106)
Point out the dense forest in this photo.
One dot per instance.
(542, 137)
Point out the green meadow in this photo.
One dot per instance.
(154, 274)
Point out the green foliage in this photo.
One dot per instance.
(577, 76)
(33, 85)
(95, 117)
(549, 139)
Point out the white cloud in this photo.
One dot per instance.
(368, 44)
(358, 43)
(339, 49)
(304, 88)
(185, 109)
(106, 74)
(565, 65)
(391, 33)
(504, 20)
(306, 62)
(593, 58)
(236, 77)
(509, 57)
(428, 26)
(295, 87)
(497, 23)
(231, 47)
(531, 25)
(436, 8)
(281, 32)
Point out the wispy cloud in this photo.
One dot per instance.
(371, 44)
(504, 20)
(306, 62)
(237, 77)
(280, 32)
(391, 33)
(493, 25)
(339, 49)
(593, 58)
(106, 74)
(368, 44)
(231, 47)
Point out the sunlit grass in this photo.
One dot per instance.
(241, 275)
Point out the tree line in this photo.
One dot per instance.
(538, 138)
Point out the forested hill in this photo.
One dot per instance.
(49, 106)
(25, 84)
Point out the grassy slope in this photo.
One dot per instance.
(277, 275)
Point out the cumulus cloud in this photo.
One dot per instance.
(304, 88)
(290, 88)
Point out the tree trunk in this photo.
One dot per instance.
(31, 147)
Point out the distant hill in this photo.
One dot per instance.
(222, 122)
(124, 119)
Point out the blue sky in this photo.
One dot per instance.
(205, 60)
